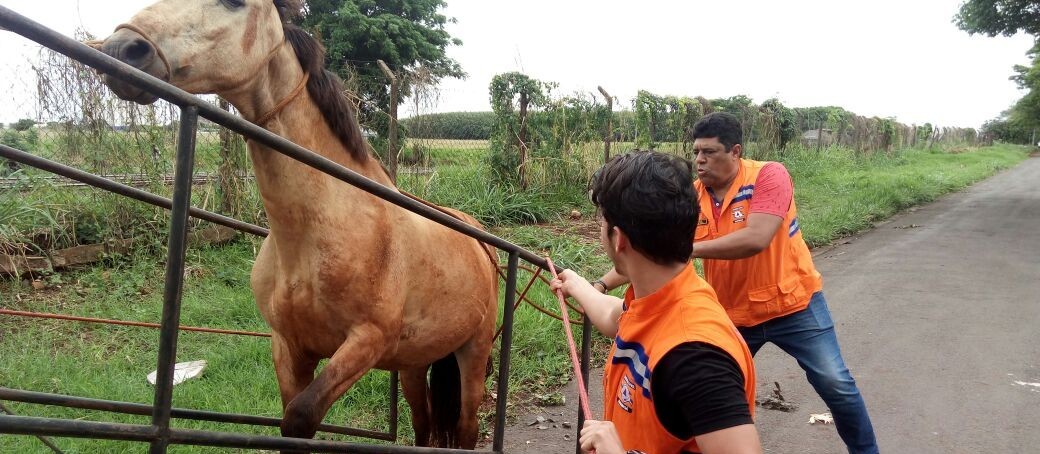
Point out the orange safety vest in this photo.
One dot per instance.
(684, 310)
(777, 281)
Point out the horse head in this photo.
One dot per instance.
(200, 46)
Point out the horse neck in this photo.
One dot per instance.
(297, 197)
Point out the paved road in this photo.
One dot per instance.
(938, 314)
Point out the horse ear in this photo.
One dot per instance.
(289, 9)
(283, 10)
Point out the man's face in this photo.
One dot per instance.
(604, 236)
(606, 240)
(714, 164)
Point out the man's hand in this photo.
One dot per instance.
(571, 283)
(602, 310)
(600, 436)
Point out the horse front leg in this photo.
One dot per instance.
(293, 369)
(352, 359)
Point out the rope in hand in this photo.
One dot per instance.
(583, 394)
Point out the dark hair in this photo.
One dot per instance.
(649, 196)
(722, 125)
(325, 88)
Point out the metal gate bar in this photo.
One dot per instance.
(174, 289)
(26, 425)
(112, 406)
(160, 434)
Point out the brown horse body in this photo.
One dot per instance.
(343, 275)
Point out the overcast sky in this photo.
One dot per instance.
(887, 58)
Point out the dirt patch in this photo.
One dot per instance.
(582, 225)
(553, 429)
(1035, 154)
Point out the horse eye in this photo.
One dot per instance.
(233, 4)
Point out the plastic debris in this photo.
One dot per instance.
(182, 371)
(822, 418)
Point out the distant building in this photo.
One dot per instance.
(812, 136)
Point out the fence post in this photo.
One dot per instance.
(229, 170)
(819, 138)
(392, 151)
(609, 136)
(522, 139)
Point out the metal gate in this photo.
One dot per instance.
(159, 434)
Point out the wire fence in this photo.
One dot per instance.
(73, 118)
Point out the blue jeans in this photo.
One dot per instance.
(808, 335)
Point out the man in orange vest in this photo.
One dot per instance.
(756, 260)
(680, 379)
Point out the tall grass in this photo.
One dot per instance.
(839, 194)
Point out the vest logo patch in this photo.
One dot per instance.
(702, 221)
(738, 214)
(624, 394)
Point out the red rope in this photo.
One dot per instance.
(125, 323)
(583, 394)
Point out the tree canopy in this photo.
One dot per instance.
(408, 35)
(1007, 17)
(999, 17)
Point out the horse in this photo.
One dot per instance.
(343, 274)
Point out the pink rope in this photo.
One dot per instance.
(583, 394)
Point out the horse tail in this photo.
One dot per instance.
(445, 402)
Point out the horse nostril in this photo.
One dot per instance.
(137, 50)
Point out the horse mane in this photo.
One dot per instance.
(325, 88)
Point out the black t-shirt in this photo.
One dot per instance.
(698, 388)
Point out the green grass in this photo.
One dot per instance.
(838, 194)
(110, 362)
(467, 188)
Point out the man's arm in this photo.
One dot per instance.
(743, 243)
(698, 392)
(773, 195)
(741, 439)
(602, 310)
(612, 280)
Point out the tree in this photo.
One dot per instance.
(406, 34)
(787, 128)
(1007, 17)
(1026, 112)
(512, 94)
(23, 124)
(999, 17)
(1005, 130)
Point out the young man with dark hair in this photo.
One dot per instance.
(756, 260)
(680, 378)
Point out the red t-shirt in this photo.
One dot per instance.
(773, 192)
